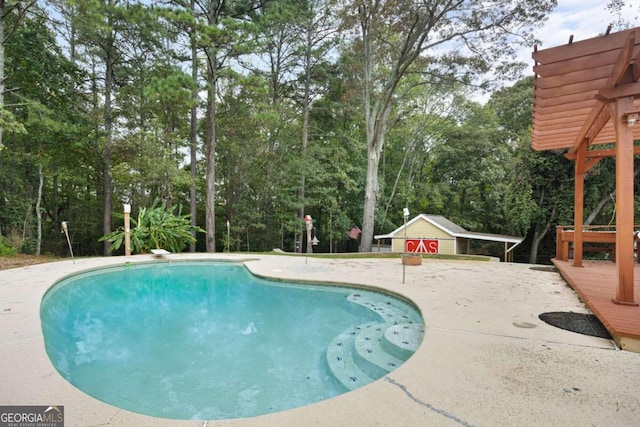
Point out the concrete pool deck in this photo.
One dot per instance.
(486, 358)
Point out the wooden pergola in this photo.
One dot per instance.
(587, 94)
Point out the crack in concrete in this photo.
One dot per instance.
(428, 405)
(594, 345)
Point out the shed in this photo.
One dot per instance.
(435, 234)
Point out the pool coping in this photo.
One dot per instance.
(472, 348)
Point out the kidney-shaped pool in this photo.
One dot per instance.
(206, 340)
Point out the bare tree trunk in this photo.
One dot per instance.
(193, 131)
(538, 236)
(108, 139)
(372, 192)
(377, 118)
(210, 177)
(375, 142)
(306, 104)
(372, 188)
(535, 246)
(38, 212)
(603, 202)
(56, 199)
(395, 186)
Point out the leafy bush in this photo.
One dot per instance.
(5, 247)
(157, 227)
(28, 246)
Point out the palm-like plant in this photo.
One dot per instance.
(157, 227)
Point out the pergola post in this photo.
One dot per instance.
(624, 200)
(578, 205)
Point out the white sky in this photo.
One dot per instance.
(584, 19)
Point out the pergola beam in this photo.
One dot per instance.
(599, 123)
(602, 153)
(554, 69)
(571, 114)
(565, 99)
(544, 108)
(570, 89)
(619, 70)
(585, 48)
(628, 89)
(580, 76)
(635, 68)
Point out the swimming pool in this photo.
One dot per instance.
(204, 340)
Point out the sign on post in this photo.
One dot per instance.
(422, 246)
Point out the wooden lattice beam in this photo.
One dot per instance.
(599, 116)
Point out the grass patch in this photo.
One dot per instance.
(375, 255)
(23, 260)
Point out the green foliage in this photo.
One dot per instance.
(8, 122)
(467, 170)
(272, 62)
(50, 129)
(157, 227)
(5, 247)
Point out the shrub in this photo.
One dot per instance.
(5, 247)
(157, 227)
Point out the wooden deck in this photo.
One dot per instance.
(596, 284)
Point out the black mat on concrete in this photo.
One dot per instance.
(549, 269)
(582, 323)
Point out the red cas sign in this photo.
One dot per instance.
(423, 246)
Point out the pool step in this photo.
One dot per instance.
(385, 309)
(341, 361)
(370, 354)
(366, 352)
(402, 340)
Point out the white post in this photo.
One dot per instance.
(65, 230)
(127, 229)
(309, 223)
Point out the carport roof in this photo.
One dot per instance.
(451, 228)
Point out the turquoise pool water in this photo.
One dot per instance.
(202, 340)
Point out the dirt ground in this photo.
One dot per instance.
(22, 260)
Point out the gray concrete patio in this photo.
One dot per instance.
(486, 358)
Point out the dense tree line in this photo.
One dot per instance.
(250, 114)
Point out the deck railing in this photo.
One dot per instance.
(604, 236)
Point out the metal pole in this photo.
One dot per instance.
(404, 250)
